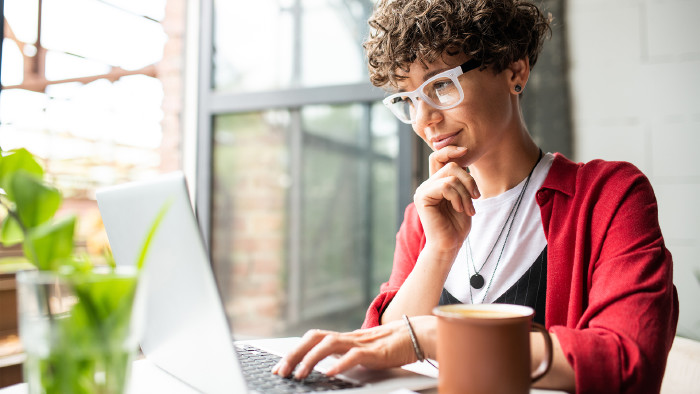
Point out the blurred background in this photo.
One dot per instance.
(298, 173)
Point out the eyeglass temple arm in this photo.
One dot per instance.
(470, 65)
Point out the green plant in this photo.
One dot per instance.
(29, 205)
(86, 347)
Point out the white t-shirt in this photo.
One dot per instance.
(524, 243)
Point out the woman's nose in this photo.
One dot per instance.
(426, 115)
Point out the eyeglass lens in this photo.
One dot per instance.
(440, 93)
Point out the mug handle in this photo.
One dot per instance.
(543, 368)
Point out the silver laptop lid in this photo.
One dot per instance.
(185, 324)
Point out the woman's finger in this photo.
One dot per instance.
(454, 191)
(440, 158)
(453, 169)
(331, 344)
(449, 185)
(287, 364)
(351, 358)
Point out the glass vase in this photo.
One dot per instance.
(80, 332)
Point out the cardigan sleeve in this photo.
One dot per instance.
(409, 242)
(618, 337)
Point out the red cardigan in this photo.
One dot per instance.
(610, 295)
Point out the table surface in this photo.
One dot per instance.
(147, 378)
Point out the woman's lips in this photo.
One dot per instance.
(444, 140)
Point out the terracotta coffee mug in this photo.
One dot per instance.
(485, 348)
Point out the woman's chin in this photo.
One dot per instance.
(463, 162)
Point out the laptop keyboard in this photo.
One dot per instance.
(257, 363)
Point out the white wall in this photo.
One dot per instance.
(635, 87)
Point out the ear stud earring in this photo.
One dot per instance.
(518, 88)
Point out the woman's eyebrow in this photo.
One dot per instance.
(433, 73)
(427, 76)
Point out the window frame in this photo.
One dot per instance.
(211, 103)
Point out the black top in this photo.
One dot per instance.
(529, 290)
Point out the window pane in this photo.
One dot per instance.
(249, 214)
(154, 9)
(331, 33)
(61, 65)
(21, 16)
(90, 124)
(339, 124)
(80, 129)
(12, 72)
(385, 142)
(116, 37)
(384, 209)
(338, 231)
(292, 43)
(385, 129)
(334, 211)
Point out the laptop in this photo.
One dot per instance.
(186, 332)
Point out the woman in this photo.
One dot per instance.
(498, 220)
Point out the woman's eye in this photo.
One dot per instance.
(442, 85)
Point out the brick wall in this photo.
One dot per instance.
(170, 71)
(249, 216)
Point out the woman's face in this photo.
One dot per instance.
(478, 123)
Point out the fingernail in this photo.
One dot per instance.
(275, 368)
(472, 211)
(461, 148)
(283, 368)
(476, 193)
(302, 372)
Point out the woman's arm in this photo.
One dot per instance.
(560, 375)
(421, 290)
(390, 345)
(444, 205)
(611, 300)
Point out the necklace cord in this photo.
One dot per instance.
(514, 212)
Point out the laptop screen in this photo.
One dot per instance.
(186, 331)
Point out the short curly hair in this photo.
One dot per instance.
(494, 32)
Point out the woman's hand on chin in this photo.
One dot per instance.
(444, 201)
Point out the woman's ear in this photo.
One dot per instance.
(519, 72)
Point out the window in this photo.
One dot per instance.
(304, 165)
(86, 94)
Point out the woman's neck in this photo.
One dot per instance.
(504, 167)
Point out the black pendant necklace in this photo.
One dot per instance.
(477, 280)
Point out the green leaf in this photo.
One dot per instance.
(152, 232)
(11, 232)
(36, 202)
(15, 160)
(50, 243)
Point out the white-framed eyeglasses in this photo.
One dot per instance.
(443, 91)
